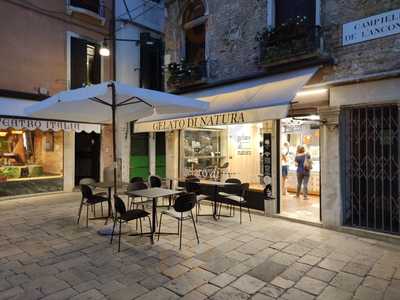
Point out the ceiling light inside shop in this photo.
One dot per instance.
(3, 133)
(17, 132)
(312, 92)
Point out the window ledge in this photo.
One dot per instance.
(73, 9)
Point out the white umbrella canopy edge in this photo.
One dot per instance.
(87, 105)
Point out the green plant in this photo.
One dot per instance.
(9, 172)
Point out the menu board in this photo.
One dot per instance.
(267, 155)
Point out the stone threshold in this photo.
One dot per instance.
(30, 196)
(305, 222)
(369, 234)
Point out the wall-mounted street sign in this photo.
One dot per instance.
(370, 28)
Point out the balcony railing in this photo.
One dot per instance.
(290, 42)
(185, 74)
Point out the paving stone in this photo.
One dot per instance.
(4, 285)
(127, 293)
(89, 295)
(11, 293)
(189, 281)
(208, 289)
(332, 264)
(366, 293)
(159, 293)
(382, 271)
(391, 294)
(260, 296)
(333, 293)
(272, 291)
(194, 295)
(85, 286)
(267, 271)
(239, 270)
(296, 250)
(295, 294)
(154, 281)
(284, 259)
(248, 284)
(220, 264)
(61, 295)
(175, 271)
(282, 283)
(321, 274)
(355, 268)
(222, 280)
(346, 281)
(47, 285)
(230, 293)
(376, 283)
(311, 285)
(309, 260)
(279, 245)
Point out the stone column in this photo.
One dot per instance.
(152, 153)
(171, 155)
(331, 202)
(69, 161)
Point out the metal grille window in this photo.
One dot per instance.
(371, 168)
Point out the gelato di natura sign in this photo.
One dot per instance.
(370, 28)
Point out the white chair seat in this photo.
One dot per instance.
(235, 198)
(202, 197)
(223, 194)
(173, 213)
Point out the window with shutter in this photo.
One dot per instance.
(92, 5)
(287, 11)
(85, 63)
(150, 62)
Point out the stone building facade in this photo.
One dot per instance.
(361, 75)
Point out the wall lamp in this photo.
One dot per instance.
(105, 50)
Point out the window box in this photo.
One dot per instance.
(186, 74)
(94, 9)
(290, 42)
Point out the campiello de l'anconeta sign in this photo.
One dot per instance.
(200, 121)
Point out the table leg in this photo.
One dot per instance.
(215, 202)
(153, 226)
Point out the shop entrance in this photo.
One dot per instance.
(300, 168)
(87, 156)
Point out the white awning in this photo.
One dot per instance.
(255, 100)
(13, 116)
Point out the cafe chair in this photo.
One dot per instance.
(237, 199)
(90, 182)
(193, 186)
(181, 211)
(155, 181)
(230, 190)
(136, 179)
(132, 201)
(124, 216)
(90, 199)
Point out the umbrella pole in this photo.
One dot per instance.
(113, 108)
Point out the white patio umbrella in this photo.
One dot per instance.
(101, 102)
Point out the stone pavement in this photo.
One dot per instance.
(45, 255)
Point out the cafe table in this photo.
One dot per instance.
(153, 194)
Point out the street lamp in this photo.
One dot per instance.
(105, 50)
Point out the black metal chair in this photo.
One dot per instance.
(90, 199)
(90, 181)
(229, 190)
(136, 179)
(181, 211)
(155, 181)
(124, 216)
(237, 198)
(135, 186)
(193, 186)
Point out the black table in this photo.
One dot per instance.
(215, 185)
(154, 194)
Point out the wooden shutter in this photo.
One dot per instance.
(78, 63)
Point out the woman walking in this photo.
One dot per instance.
(304, 165)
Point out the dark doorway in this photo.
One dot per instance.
(87, 156)
(160, 154)
(151, 54)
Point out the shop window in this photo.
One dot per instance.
(150, 62)
(30, 154)
(85, 63)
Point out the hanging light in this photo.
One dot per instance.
(104, 50)
(3, 133)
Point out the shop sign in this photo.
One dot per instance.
(46, 125)
(200, 121)
(370, 28)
